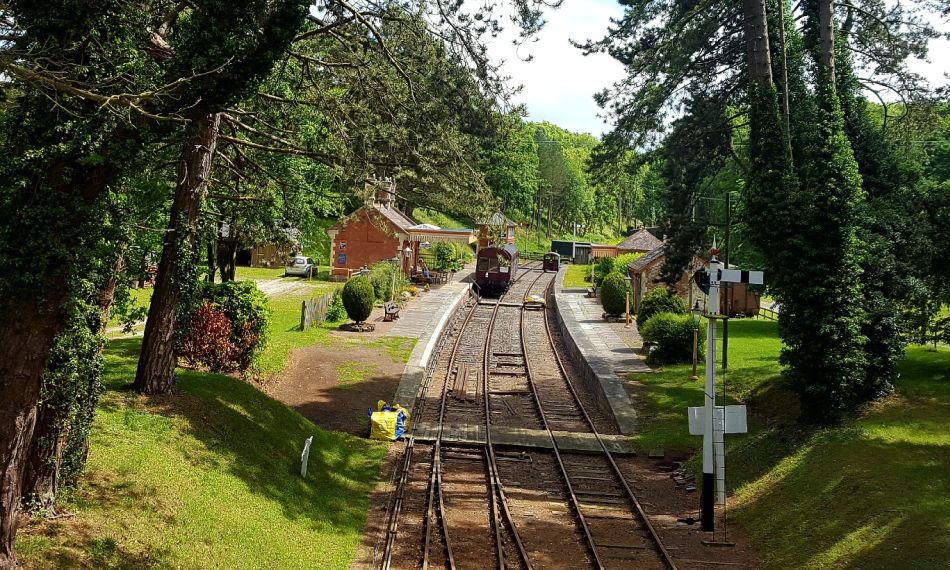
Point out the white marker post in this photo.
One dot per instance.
(305, 457)
(716, 421)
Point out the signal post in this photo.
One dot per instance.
(712, 421)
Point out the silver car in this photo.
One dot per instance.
(300, 266)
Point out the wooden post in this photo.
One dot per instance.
(628, 310)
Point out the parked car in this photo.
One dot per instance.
(301, 267)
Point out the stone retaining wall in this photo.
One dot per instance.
(596, 369)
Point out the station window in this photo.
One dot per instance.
(341, 259)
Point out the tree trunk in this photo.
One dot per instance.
(757, 42)
(29, 323)
(212, 259)
(41, 477)
(827, 39)
(227, 258)
(156, 369)
(41, 473)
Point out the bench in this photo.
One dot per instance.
(391, 311)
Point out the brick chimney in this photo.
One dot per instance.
(385, 192)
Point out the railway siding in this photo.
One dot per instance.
(599, 356)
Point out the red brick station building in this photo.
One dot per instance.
(379, 231)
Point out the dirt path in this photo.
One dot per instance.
(281, 286)
(334, 384)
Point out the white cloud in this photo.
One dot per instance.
(560, 82)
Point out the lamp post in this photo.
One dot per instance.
(407, 255)
(626, 282)
(696, 311)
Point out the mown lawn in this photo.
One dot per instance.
(284, 332)
(206, 479)
(574, 277)
(263, 273)
(869, 494)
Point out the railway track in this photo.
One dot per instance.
(491, 378)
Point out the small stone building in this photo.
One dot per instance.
(645, 277)
(380, 231)
(641, 241)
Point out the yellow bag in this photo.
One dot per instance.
(388, 423)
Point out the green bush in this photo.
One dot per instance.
(622, 261)
(613, 294)
(445, 256)
(603, 268)
(336, 312)
(235, 311)
(660, 300)
(358, 298)
(673, 336)
(381, 276)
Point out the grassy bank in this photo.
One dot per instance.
(206, 479)
(868, 494)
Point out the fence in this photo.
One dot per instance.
(766, 313)
(314, 311)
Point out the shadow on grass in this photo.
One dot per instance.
(838, 499)
(259, 440)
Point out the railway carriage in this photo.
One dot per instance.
(552, 261)
(496, 268)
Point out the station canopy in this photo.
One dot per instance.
(430, 233)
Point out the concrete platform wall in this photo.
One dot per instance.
(596, 368)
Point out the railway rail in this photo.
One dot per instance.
(491, 378)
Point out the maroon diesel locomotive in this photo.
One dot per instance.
(496, 268)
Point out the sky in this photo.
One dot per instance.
(559, 83)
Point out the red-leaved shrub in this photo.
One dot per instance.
(208, 342)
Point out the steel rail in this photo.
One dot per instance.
(490, 448)
(435, 476)
(575, 504)
(396, 506)
(657, 542)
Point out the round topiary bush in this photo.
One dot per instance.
(660, 300)
(673, 336)
(358, 298)
(613, 294)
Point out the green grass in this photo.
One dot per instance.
(208, 478)
(140, 298)
(264, 273)
(753, 365)
(872, 493)
(284, 332)
(574, 277)
(352, 373)
(536, 241)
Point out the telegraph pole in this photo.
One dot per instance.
(725, 255)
